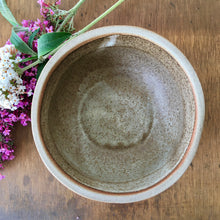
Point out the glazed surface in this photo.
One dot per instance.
(117, 114)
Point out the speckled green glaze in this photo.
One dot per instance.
(117, 114)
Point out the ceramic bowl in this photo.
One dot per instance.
(117, 114)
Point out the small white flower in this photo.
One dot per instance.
(14, 100)
(6, 65)
(5, 56)
(10, 65)
(10, 74)
(4, 103)
(21, 89)
(4, 83)
(18, 59)
(29, 93)
(2, 65)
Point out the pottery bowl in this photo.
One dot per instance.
(117, 114)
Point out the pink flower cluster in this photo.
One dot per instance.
(45, 8)
(56, 16)
(21, 114)
(45, 27)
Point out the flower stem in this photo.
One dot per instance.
(31, 65)
(86, 28)
(75, 8)
(71, 12)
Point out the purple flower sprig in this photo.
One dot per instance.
(9, 118)
(31, 45)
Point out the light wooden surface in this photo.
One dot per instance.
(31, 192)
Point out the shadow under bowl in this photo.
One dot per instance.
(117, 114)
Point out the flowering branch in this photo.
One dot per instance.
(23, 58)
(86, 28)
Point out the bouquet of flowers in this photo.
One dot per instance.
(23, 58)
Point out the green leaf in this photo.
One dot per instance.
(29, 58)
(20, 44)
(50, 41)
(40, 68)
(31, 38)
(20, 28)
(6, 13)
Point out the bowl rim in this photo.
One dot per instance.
(87, 191)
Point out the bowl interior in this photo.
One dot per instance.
(118, 114)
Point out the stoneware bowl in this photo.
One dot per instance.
(117, 114)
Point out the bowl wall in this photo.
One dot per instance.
(117, 115)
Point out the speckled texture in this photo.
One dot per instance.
(118, 114)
